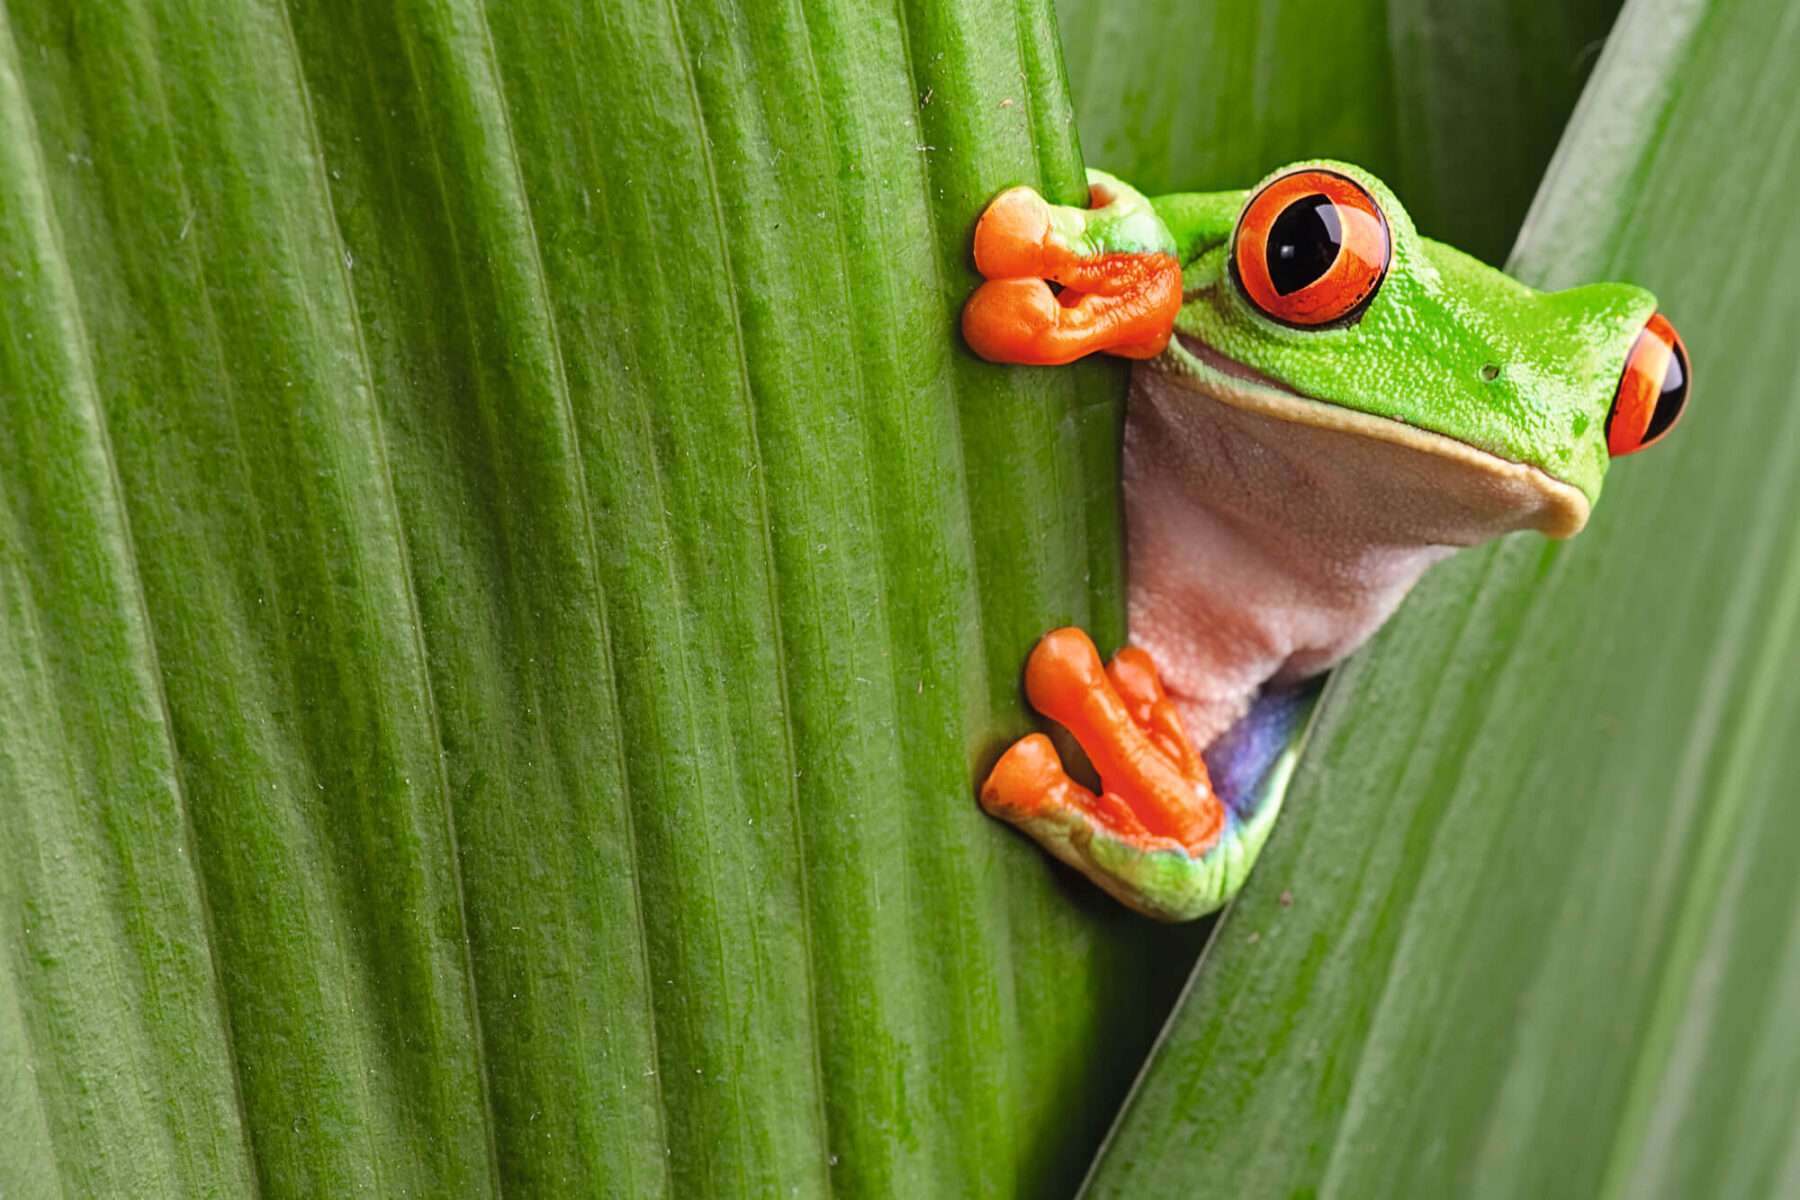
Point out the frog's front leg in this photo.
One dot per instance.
(1114, 263)
(1151, 834)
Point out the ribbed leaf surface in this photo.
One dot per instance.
(1542, 932)
(507, 576)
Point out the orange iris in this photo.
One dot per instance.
(1653, 389)
(1311, 249)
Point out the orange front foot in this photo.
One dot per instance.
(1155, 792)
(1115, 264)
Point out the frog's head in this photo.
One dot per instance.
(1311, 298)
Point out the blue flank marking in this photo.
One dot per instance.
(1240, 758)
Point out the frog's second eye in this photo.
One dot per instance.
(1653, 389)
(1311, 249)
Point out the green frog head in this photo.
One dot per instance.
(1312, 297)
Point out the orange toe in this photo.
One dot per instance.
(1014, 321)
(1133, 675)
(1063, 670)
(1012, 239)
(1029, 783)
(1024, 779)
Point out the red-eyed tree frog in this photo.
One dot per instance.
(1324, 404)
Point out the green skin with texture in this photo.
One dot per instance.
(1417, 354)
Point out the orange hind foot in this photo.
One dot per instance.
(1155, 792)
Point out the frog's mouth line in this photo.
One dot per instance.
(1231, 382)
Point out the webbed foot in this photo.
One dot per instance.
(1151, 834)
(1120, 283)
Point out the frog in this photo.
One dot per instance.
(1323, 403)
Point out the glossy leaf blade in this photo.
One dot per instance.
(505, 561)
(1527, 926)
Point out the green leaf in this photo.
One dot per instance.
(1540, 852)
(506, 576)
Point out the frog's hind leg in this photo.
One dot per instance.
(1160, 836)
(1152, 836)
(1114, 262)
(1155, 792)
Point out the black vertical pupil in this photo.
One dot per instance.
(1674, 395)
(1303, 243)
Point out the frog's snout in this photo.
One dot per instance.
(1653, 389)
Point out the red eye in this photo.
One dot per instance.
(1311, 249)
(1653, 389)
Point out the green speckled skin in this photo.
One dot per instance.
(1122, 221)
(1418, 352)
